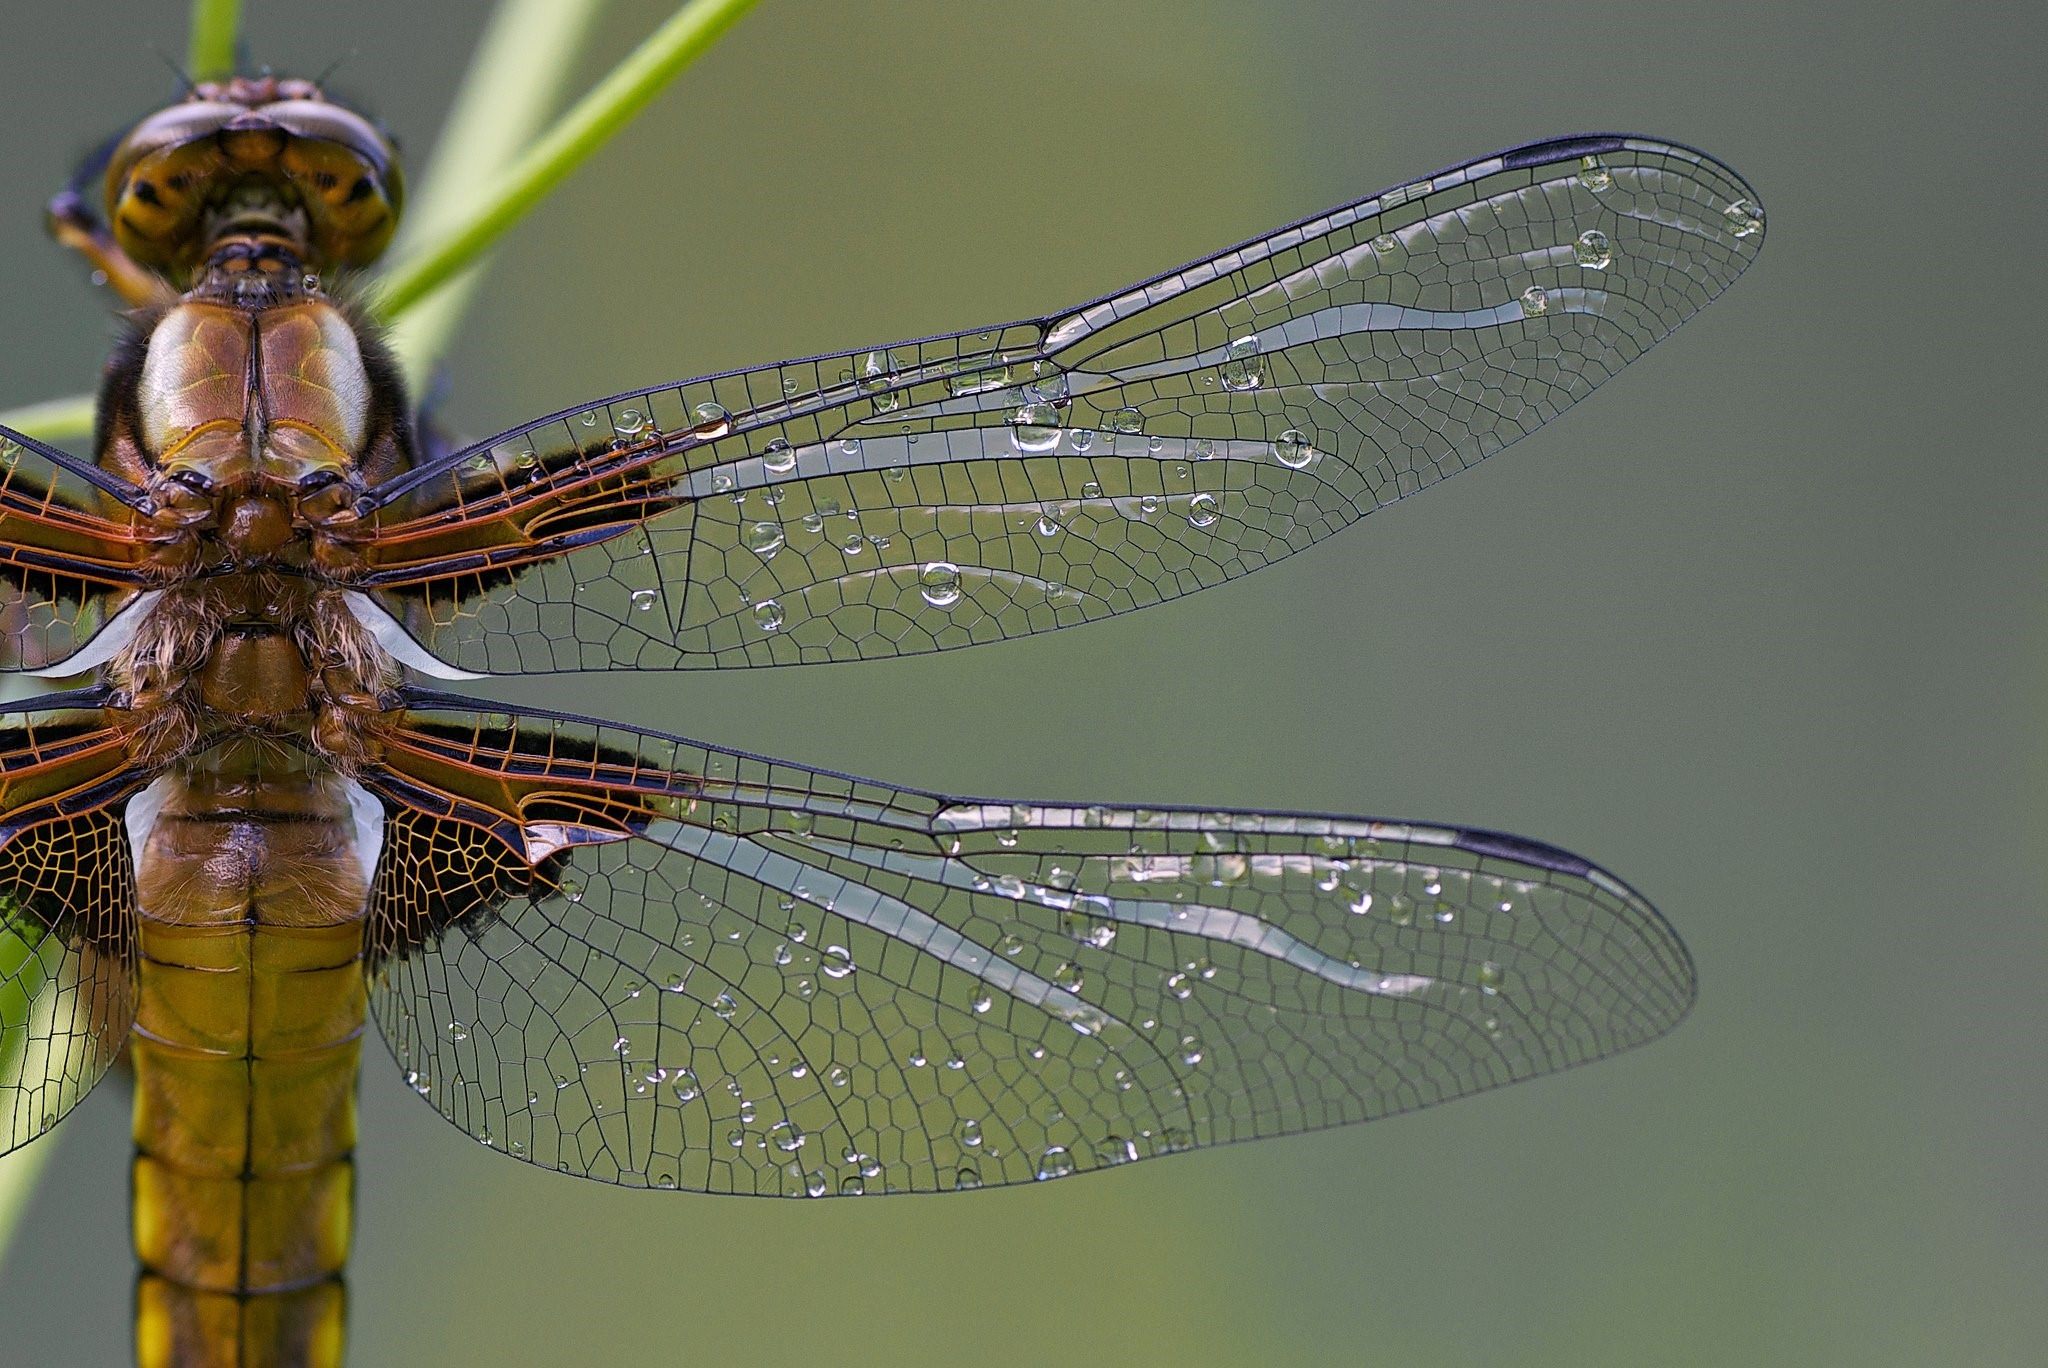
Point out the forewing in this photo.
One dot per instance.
(716, 972)
(991, 484)
(68, 554)
(67, 912)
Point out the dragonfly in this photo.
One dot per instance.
(261, 814)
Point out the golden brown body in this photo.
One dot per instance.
(247, 1039)
(254, 852)
(251, 876)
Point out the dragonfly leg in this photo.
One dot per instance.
(73, 225)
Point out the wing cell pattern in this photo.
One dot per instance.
(64, 569)
(991, 484)
(67, 914)
(780, 981)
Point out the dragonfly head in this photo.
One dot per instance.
(263, 158)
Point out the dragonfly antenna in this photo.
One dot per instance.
(186, 84)
(334, 66)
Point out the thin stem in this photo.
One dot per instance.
(616, 99)
(215, 25)
(54, 420)
(458, 239)
(18, 1174)
(514, 83)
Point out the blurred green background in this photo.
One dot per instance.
(1764, 628)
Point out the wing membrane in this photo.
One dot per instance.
(64, 569)
(67, 911)
(632, 957)
(987, 485)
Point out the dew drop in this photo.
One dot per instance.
(768, 615)
(643, 600)
(1035, 428)
(1056, 1163)
(1535, 303)
(1242, 369)
(1491, 976)
(1292, 449)
(764, 539)
(1593, 175)
(940, 584)
(970, 1132)
(1593, 250)
(1745, 218)
(778, 457)
(785, 1136)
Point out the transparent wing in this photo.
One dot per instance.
(65, 569)
(632, 957)
(67, 911)
(990, 484)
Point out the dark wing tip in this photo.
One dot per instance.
(1560, 149)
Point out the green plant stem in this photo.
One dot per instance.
(54, 420)
(467, 221)
(19, 1172)
(491, 120)
(215, 24)
(616, 99)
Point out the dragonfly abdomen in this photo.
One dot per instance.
(252, 874)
